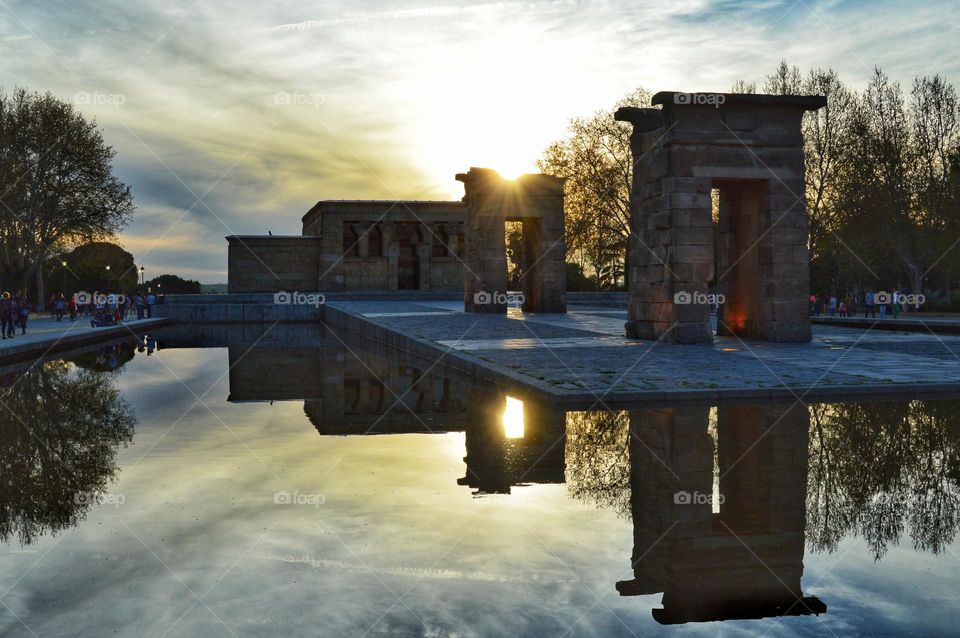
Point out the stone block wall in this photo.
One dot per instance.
(257, 263)
(389, 245)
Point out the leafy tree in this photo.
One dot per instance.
(56, 183)
(86, 269)
(173, 285)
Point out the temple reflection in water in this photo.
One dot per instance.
(718, 504)
(718, 520)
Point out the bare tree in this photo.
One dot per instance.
(596, 161)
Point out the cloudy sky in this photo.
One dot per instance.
(236, 117)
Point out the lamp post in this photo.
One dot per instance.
(141, 277)
(64, 264)
(108, 278)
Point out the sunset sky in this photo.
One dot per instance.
(236, 117)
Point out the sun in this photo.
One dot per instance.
(493, 109)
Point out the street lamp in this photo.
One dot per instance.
(108, 278)
(64, 264)
(141, 276)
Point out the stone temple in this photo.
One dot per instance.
(356, 246)
(717, 212)
(374, 245)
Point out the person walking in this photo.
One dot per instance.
(23, 311)
(869, 308)
(843, 309)
(833, 305)
(72, 307)
(60, 305)
(6, 316)
(151, 300)
(813, 305)
(140, 303)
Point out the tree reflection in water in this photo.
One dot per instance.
(880, 471)
(59, 430)
(598, 459)
(883, 471)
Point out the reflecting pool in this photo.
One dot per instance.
(289, 483)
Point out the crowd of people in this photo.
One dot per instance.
(102, 309)
(851, 305)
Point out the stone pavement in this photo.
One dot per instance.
(585, 354)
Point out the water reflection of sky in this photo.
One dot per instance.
(396, 548)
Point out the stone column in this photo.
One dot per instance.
(393, 267)
(424, 254)
(545, 274)
(331, 262)
(490, 200)
(485, 274)
(453, 241)
(363, 241)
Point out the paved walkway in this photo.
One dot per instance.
(919, 322)
(46, 335)
(584, 352)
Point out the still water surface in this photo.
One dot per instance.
(274, 489)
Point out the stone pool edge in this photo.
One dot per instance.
(343, 321)
(38, 348)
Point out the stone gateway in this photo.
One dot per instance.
(744, 152)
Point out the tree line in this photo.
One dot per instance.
(882, 184)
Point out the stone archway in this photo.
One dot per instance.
(537, 202)
(750, 149)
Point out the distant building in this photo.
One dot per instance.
(355, 246)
